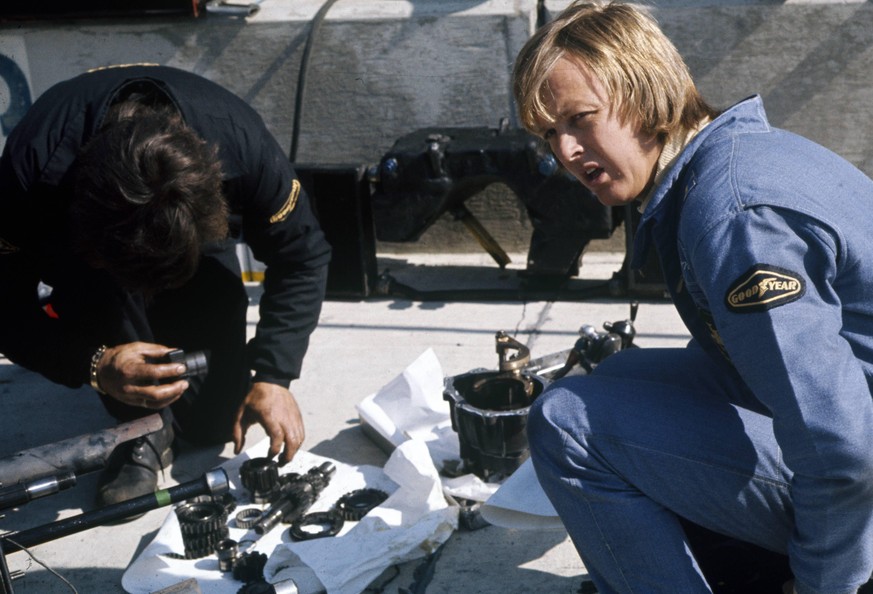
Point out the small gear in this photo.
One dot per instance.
(203, 545)
(260, 476)
(249, 567)
(201, 517)
(356, 504)
(226, 500)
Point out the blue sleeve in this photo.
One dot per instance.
(770, 279)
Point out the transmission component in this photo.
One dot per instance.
(260, 476)
(489, 411)
(203, 525)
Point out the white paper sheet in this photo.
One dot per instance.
(521, 503)
(411, 406)
(410, 524)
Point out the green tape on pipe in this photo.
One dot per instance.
(163, 497)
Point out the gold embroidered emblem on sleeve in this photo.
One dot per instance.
(764, 287)
(289, 205)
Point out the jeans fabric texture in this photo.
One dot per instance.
(651, 435)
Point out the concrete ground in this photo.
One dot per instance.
(358, 347)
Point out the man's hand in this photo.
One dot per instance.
(275, 408)
(125, 373)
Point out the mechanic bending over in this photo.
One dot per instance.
(761, 428)
(125, 191)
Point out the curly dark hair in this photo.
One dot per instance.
(147, 196)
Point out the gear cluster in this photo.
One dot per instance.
(203, 525)
(203, 521)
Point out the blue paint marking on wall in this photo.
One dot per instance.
(19, 94)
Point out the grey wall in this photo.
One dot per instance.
(381, 69)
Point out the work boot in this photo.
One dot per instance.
(134, 465)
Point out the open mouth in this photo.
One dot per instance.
(592, 173)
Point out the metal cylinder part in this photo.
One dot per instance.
(489, 412)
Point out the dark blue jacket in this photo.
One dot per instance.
(258, 183)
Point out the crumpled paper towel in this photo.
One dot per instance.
(411, 406)
(521, 503)
(412, 523)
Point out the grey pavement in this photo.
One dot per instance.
(359, 346)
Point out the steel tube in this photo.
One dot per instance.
(79, 455)
(214, 482)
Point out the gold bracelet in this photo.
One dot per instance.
(95, 359)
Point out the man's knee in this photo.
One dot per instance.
(552, 414)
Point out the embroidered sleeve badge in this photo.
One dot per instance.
(764, 287)
(289, 205)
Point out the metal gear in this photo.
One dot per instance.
(249, 567)
(228, 552)
(356, 504)
(201, 517)
(203, 525)
(204, 545)
(260, 476)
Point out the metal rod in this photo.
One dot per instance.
(79, 455)
(214, 482)
(24, 492)
(485, 239)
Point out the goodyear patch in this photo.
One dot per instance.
(289, 205)
(764, 287)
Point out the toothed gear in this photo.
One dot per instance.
(356, 504)
(260, 476)
(228, 552)
(249, 567)
(226, 500)
(197, 547)
(201, 517)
